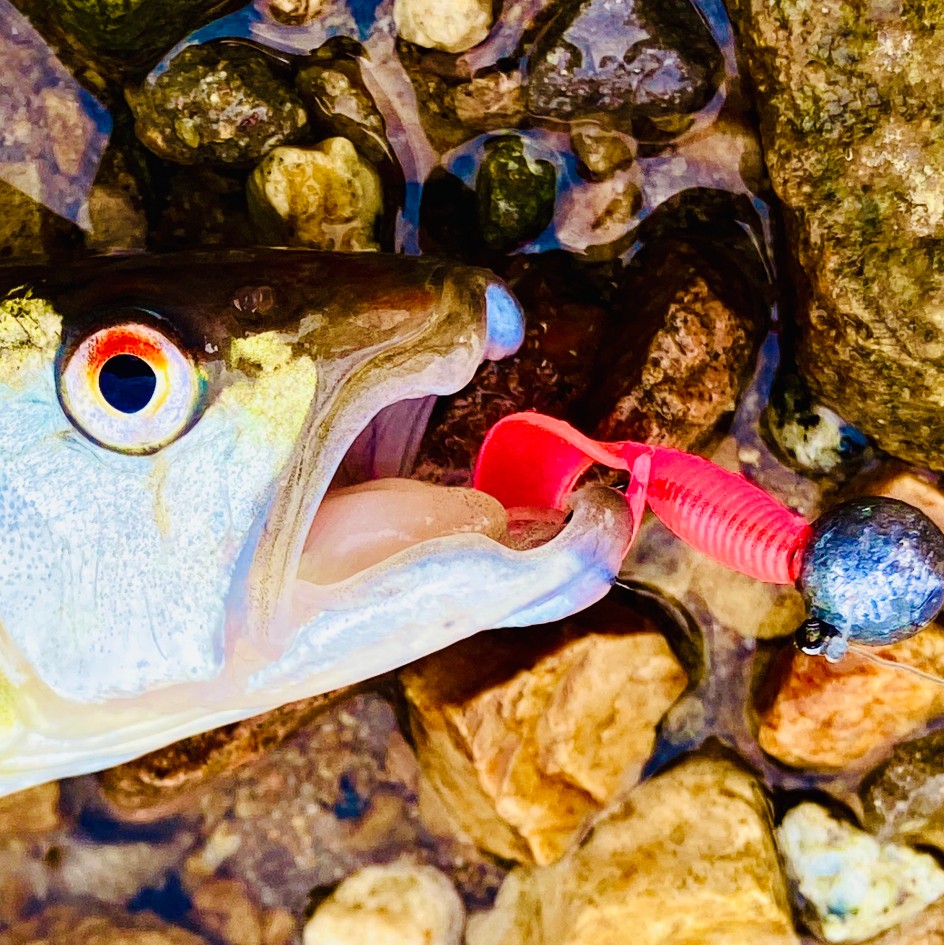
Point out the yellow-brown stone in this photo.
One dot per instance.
(35, 810)
(687, 859)
(826, 715)
(525, 734)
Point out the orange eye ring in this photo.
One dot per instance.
(131, 388)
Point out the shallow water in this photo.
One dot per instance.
(345, 790)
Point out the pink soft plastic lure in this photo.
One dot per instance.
(871, 570)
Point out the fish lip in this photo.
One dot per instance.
(373, 625)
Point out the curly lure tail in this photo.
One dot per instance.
(529, 459)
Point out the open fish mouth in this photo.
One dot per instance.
(386, 569)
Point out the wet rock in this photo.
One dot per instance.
(337, 100)
(903, 798)
(295, 12)
(203, 207)
(339, 795)
(486, 102)
(808, 435)
(325, 197)
(826, 715)
(910, 487)
(136, 31)
(553, 370)
(224, 909)
(116, 204)
(397, 904)
(853, 886)
(92, 924)
(33, 811)
(926, 929)
(675, 371)
(526, 734)
(628, 60)
(850, 97)
(515, 192)
(166, 780)
(450, 25)
(216, 104)
(601, 150)
(27, 228)
(751, 609)
(688, 857)
(597, 218)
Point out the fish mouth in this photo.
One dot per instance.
(373, 509)
(361, 568)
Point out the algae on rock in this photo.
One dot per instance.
(851, 99)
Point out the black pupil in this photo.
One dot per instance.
(127, 383)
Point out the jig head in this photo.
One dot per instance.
(870, 570)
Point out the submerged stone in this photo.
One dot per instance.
(93, 924)
(515, 193)
(688, 857)
(833, 715)
(903, 798)
(450, 25)
(851, 99)
(325, 197)
(216, 104)
(526, 734)
(137, 29)
(809, 436)
(338, 101)
(627, 59)
(400, 903)
(684, 352)
(852, 885)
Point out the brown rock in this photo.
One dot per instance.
(525, 734)
(551, 372)
(677, 368)
(90, 924)
(903, 798)
(491, 101)
(338, 795)
(163, 781)
(32, 811)
(602, 150)
(850, 101)
(687, 859)
(910, 487)
(224, 909)
(825, 715)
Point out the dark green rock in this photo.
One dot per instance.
(851, 99)
(628, 59)
(218, 105)
(139, 29)
(515, 193)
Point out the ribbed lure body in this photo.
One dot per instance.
(529, 459)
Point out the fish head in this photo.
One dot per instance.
(200, 510)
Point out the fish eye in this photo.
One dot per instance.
(130, 387)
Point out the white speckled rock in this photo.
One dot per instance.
(451, 25)
(326, 197)
(396, 904)
(853, 885)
